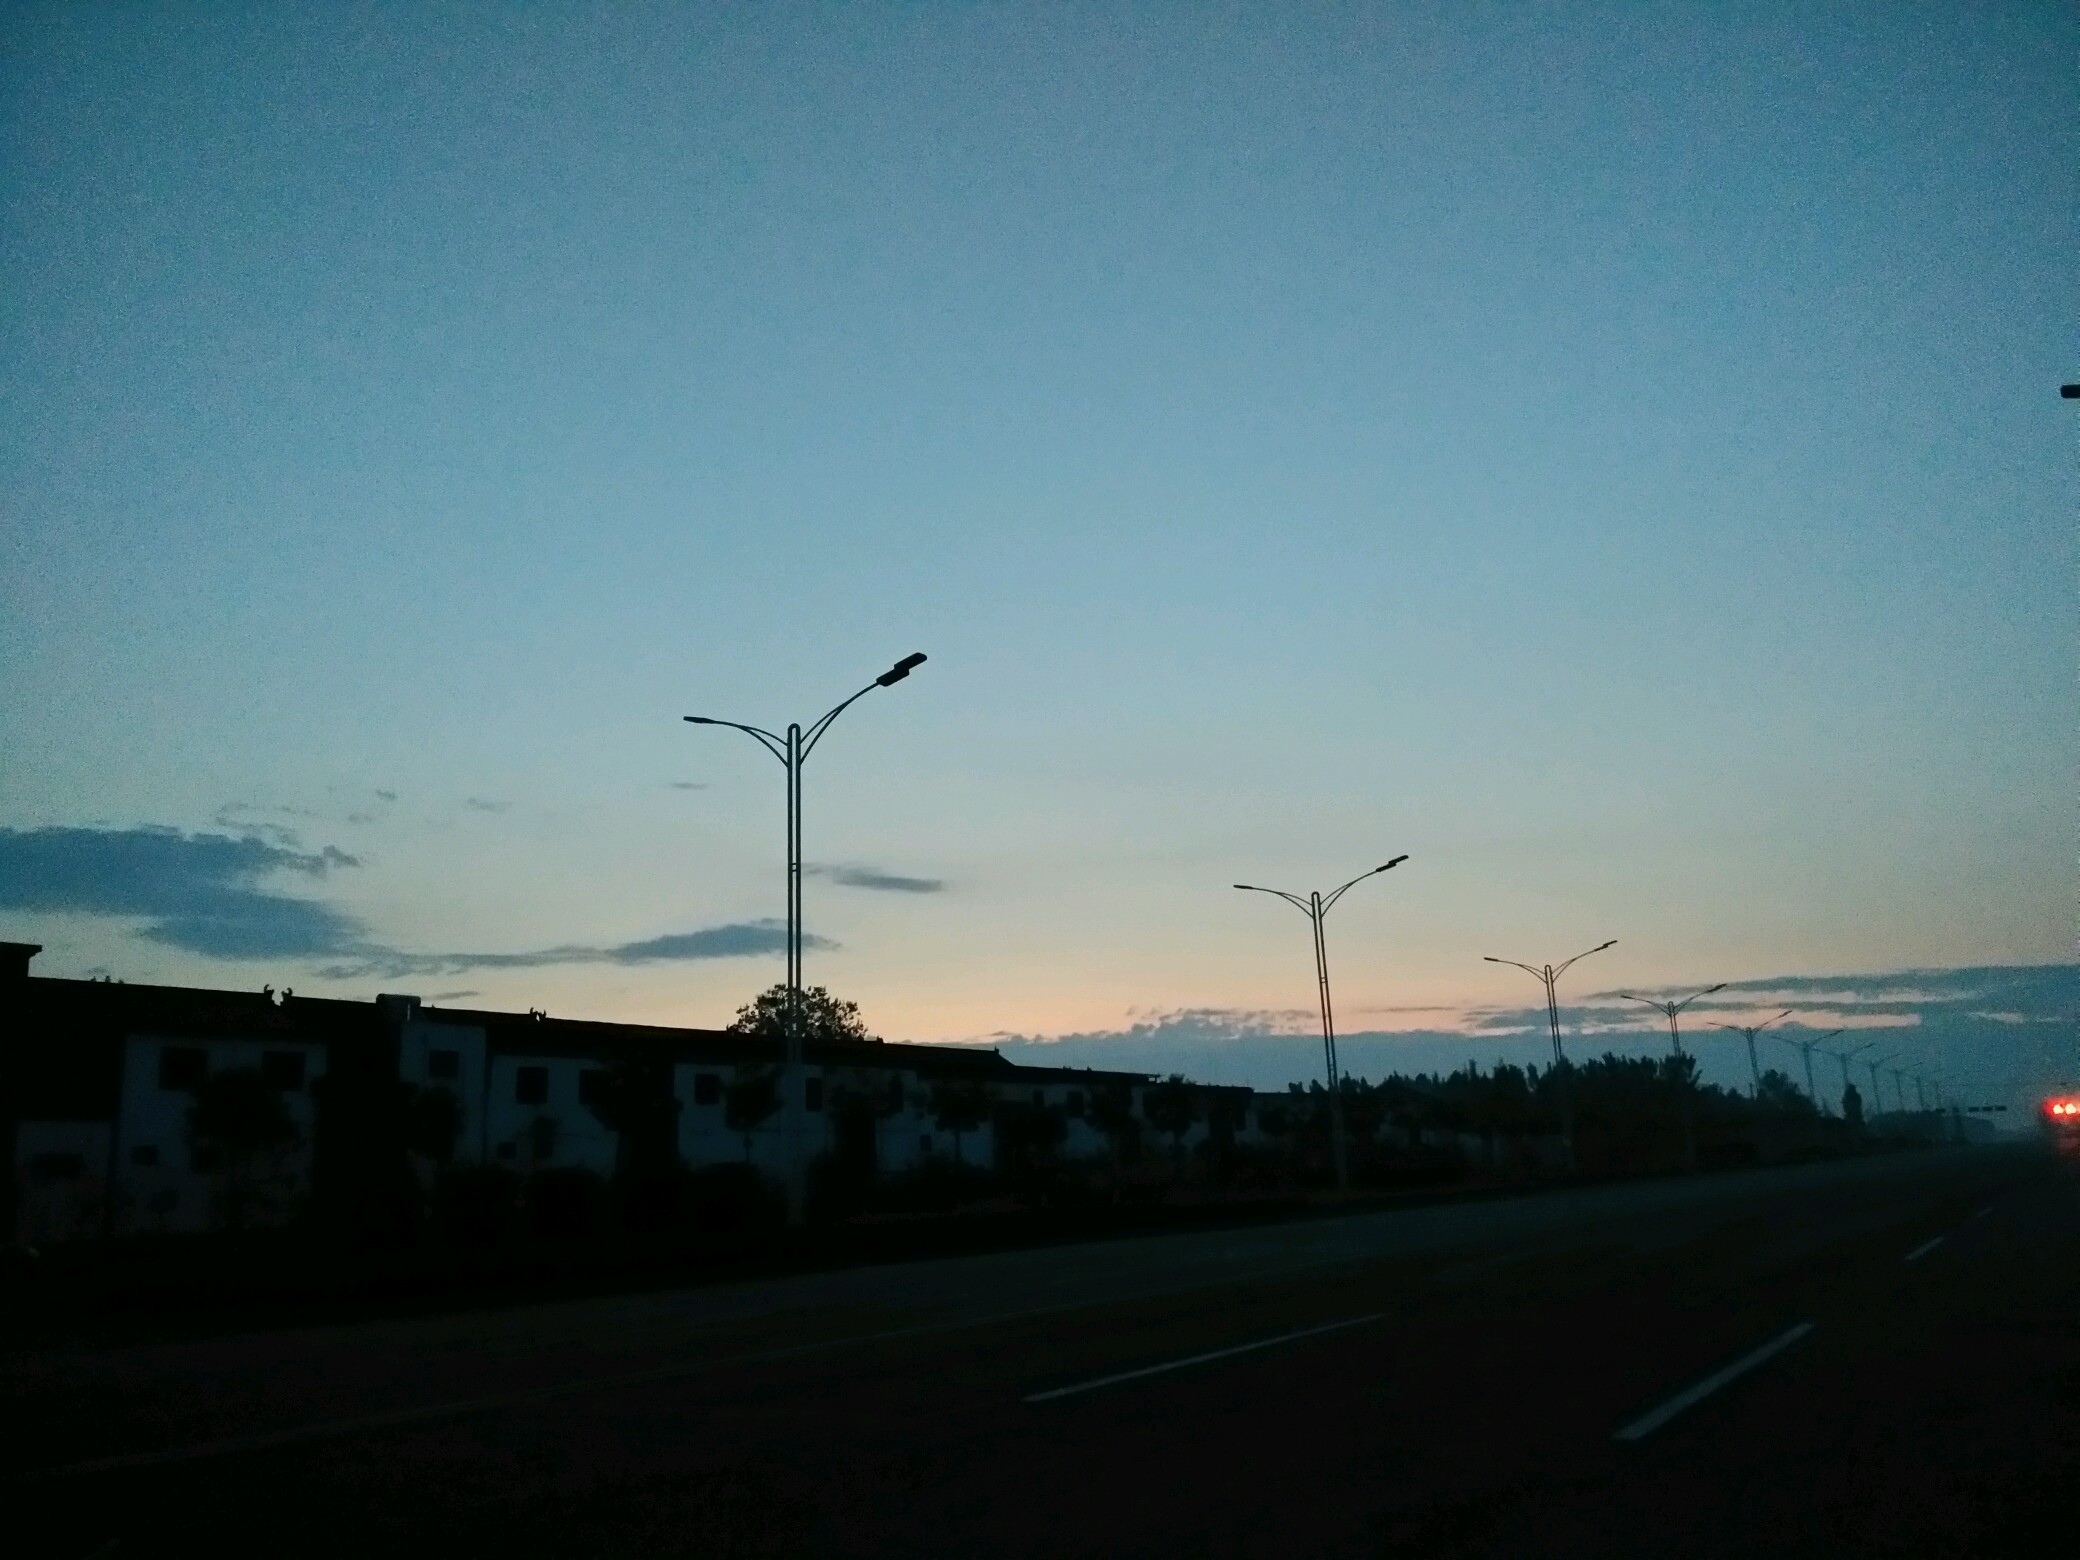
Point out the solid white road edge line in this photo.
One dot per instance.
(1199, 1359)
(1925, 1248)
(1653, 1420)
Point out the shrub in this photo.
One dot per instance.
(567, 1204)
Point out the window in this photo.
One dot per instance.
(443, 1066)
(56, 1167)
(1039, 1096)
(531, 1086)
(707, 1088)
(1075, 1103)
(282, 1069)
(812, 1094)
(924, 1143)
(895, 1095)
(505, 1150)
(588, 1085)
(182, 1067)
(145, 1154)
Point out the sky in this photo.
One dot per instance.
(1610, 454)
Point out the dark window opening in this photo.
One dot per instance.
(707, 1088)
(531, 1086)
(588, 1085)
(282, 1069)
(1075, 1102)
(56, 1167)
(812, 1094)
(924, 1143)
(895, 1095)
(182, 1067)
(1039, 1096)
(505, 1150)
(145, 1154)
(443, 1066)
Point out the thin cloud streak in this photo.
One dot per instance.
(205, 894)
(883, 882)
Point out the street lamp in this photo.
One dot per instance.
(1874, 1063)
(1844, 1058)
(793, 751)
(1750, 1031)
(1549, 975)
(1675, 1038)
(1315, 907)
(1806, 1049)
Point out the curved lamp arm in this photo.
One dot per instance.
(766, 739)
(1354, 882)
(887, 679)
(1292, 899)
(1585, 954)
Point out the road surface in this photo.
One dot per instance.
(1878, 1357)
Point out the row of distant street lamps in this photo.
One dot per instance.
(792, 750)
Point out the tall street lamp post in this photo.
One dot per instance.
(1806, 1049)
(1549, 976)
(1749, 1032)
(793, 751)
(1315, 906)
(1675, 1039)
(1877, 1095)
(1844, 1058)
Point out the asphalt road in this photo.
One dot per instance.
(1879, 1357)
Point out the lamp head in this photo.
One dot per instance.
(900, 670)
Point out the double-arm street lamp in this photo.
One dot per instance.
(1675, 1034)
(793, 751)
(1806, 1049)
(1845, 1057)
(1315, 906)
(1549, 976)
(1750, 1031)
(1877, 1094)
(1675, 1039)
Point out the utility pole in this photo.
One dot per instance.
(1675, 1040)
(1549, 975)
(1315, 907)
(1749, 1032)
(793, 751)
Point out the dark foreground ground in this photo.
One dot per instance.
(1876, 1357)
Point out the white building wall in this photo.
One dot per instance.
(427, 1048)
(577, 1138)
(158, 1187)
(705, 1137)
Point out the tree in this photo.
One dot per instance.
(958, 1108)
(632, 1098)
(238, 1117)
(1172, 1106)
(433, 1123)
(752, 1096)
(823, 1016)
(1112, 1113)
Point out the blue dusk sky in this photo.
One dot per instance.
(1611, 454)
